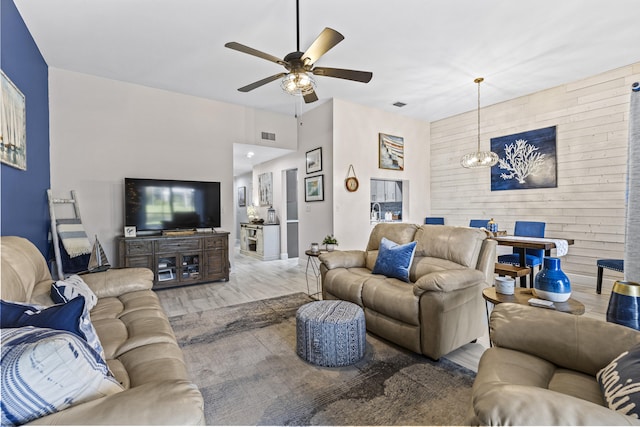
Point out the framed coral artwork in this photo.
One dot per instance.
(526, 160)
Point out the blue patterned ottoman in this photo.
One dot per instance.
(330, 333)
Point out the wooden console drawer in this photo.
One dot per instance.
(178, 245)
(138, 247)
(139, 261)
(218, 242)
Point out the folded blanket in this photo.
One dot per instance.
(73, 237)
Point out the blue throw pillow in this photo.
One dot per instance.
(394, 260)
(72, 317)
(620, 382)
(63, 317)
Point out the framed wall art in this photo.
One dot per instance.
(314, 188)
(242, 196)
(390, 152)
(265, 187)
(526, 160)
(13, 128)
(314, 160)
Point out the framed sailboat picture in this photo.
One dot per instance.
(13, 125)
(390, 152)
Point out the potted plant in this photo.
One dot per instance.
(330, 242)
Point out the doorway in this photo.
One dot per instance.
(292, 212)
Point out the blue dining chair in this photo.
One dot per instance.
(533, 257)
(434, 220)
(612, 264)
(479, 223)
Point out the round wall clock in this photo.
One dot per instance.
(351, 183)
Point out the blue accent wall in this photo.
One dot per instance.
(23, 205)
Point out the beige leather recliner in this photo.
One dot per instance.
(542, 369)
(140, 347)
(441, 309)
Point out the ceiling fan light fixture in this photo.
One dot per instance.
(298, 83)
(479, 159)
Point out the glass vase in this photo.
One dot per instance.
(551, 283)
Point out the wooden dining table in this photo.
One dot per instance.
(521, 244)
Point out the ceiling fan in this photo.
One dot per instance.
(297, 80)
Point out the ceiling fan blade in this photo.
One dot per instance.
(327, 39)
(259, 83)
(310, 97)
(355, 75)
(251, 51)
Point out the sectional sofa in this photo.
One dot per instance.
(146, 382)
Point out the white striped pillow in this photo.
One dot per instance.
(47, 370)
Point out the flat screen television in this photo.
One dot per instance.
(153, 205)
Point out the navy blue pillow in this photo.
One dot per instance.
(394, 260)
(620, 382)
(63, 317)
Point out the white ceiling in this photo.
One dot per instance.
(424, 53)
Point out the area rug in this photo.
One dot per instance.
(243, 359)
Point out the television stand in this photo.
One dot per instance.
(178, 260)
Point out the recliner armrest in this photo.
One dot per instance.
(118, 281)
(575, 342)
(510, 404)
(343, 259)
(448, 280)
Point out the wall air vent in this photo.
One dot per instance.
(269, 136)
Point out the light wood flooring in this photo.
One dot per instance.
(252, 280)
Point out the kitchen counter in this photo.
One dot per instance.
(383, 220)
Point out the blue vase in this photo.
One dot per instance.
(624, 304)
(551, 283)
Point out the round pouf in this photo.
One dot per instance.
(330, 333)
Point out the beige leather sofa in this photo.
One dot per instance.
(441, 309)
(541, 369)
(139, 344)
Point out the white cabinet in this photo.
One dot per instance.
(385, 191)
(261, 241)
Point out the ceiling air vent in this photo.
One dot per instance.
(269, 136)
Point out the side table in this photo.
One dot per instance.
(522, 296)
(314, 264)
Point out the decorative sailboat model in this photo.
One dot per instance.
(98, 260)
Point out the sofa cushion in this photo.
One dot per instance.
(346, 283)
(394, 260)
(457, 244)
(46, 370)
(131, 320)
(65, 290)
(392, 298)
(397, 232)
(620, 382)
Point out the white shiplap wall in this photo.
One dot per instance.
(588, 205)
